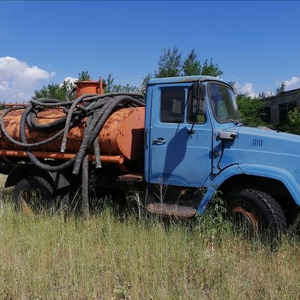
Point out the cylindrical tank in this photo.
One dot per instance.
(122, 134)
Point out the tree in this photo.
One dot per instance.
(262, 95)
(191, 65)
(54, 90)
(125, 88)
(251, 110)
(143, 86)
(59, 91)
(84, 76)
(109, 84)
(169, 63)
(293, 123)
(281, 89)
(111, 87)
(211, 69)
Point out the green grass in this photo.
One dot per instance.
(113, 257)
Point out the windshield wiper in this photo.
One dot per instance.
(236, 122)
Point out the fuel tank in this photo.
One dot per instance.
(122, 133)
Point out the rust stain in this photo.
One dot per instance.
(122, 134)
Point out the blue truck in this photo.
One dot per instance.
(195, 139)
(193, 145)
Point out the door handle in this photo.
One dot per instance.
(159, 141)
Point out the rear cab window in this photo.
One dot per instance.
(172, 105)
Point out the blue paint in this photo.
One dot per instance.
(208, 156)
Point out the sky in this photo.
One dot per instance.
(255, 43)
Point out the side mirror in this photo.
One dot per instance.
(196, 103)
(198, 90)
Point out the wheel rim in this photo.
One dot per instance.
(245, 219)
(33, 201)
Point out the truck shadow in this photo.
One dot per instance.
(176, 151)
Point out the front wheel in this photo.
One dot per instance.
(33, 195)
(256, 213)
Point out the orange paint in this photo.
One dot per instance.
(117, 159)
(90, 87)
(122, 134)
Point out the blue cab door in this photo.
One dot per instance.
(177, 155)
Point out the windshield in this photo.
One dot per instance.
(223, 103)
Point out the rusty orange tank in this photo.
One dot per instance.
(122, 134)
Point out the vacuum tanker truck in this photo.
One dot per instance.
(178, 146)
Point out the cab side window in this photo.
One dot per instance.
(172, 105)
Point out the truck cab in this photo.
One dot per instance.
(182, 128)
(196, 144)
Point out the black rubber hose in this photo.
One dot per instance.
(69, 93)
(18, 143)
(92, 131)
(85, 182)
(48, 102)
(99, 106)
(39, 105)
(69, 117)
(85, 186)
(85, 141)
(97, 153)
(55, 125)
(96, 125)
(33, 159)
(106, 113)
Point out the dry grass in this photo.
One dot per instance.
(2, 180)
(108, 257)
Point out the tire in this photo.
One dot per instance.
(256, 213)
(33, 195)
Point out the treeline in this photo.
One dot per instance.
(171, 63)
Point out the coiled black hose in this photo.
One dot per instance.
(96, 108)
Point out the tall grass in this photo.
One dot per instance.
(113, 257)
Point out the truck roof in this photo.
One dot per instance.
(183, 79)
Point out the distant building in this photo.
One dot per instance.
(277, 107)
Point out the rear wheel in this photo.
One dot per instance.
(33, 194)
(256, 213)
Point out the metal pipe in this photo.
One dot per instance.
(115, 159)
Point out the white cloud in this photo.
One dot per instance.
(269, 94)
(248, 89)
(69, 79)
(4, 85)
(293, 83)
(17, 79)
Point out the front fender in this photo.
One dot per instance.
(214, 184)
(281, 175)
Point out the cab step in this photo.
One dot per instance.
(171, 210)
(131, 178)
